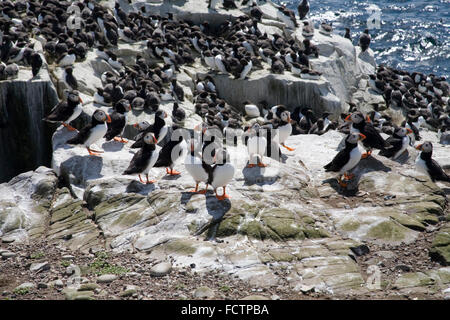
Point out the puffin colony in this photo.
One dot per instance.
(235, 48)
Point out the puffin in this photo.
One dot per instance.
(36, 63)
(256, 146)
(158, 128)
(399, 142)
(364, 40)
(284, 126)
(66, 111)
(373, 138)
(222, 173)
(118, 121)
(428, 166)
(92, 132)
(69, 78)
(347, 158)
(144, 159)
(178, 114)
(197, 168)
(172, 152)
(303, 9)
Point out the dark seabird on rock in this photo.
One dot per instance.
(66, 111)
(69, 78)
(36, 63)
(303, 9)
(178, 113)
(118, 121)
(399, 142)
(347, 34)
(364, 40)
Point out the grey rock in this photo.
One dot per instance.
(255, 297)
(42, 285)
(25, 285)
(40, 266)
(161, 269)
(203, 293)
(360, 250)
(88, 287)
(107, 278)
(8, 254)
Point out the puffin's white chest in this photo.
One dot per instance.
(76, 112)
(256, 145)
(96, 133)
(222, 175)
(355, 157)
(284, 132)
(194, 167)
(421, 166)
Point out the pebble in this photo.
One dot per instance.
(130, 290)
(133, 274)
(42, 285)
(106, 278)
(58, 283)
(8, 254)
(8, 239)
(26, 285)
(88, 287)
(40, 266)
(161, 269)
(360, 250)
(275, 297)
(67, 257)
(385, 254)
(204, 292)
(255, 297)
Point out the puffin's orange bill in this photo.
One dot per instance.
(362, 136)
(108, 118)
(154, 139)
(80, 100)
(368, 119)
(136, 125)
(409, 131)
(348, 117)
(419, 147)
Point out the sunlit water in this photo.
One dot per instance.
(413, 35)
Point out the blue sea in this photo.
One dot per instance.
(411, 35)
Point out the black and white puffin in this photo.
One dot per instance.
(347, 158)
(92, 132)
(158, 128)
(66, 111)
(144, 159)
(428, 166)
(399, 142)
(256, 146)
(197, 168)
(172, 152)
(222, 173)
(373, 138)
(282, 122)
(118, 121)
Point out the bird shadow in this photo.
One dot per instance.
(171, 178)
(112, 146)
(366, 165)
(217, 209)
(256, 176)
(88, 166)
(136, 186)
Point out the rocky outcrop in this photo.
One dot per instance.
(25, 140)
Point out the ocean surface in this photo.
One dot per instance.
(412, 35)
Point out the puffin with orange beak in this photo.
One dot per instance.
(67, 111)
(144, 159)
(373, 138)
(158, 128)
(92, 132)
(399, 142)
(282, 122)
(118, 121)
(428, 166)
(347, 158)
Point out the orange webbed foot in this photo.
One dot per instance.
(251, 165)
(262, 165)
(288, 148)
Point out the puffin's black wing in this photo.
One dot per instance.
(436, 172)
(139, 162)
(82, 135)
(165, 155)
(61, 112)
(116, 125)
(396, 146)
(339, 161)
(140, 137)
(373, 138)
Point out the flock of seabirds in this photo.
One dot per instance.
(236, 48)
